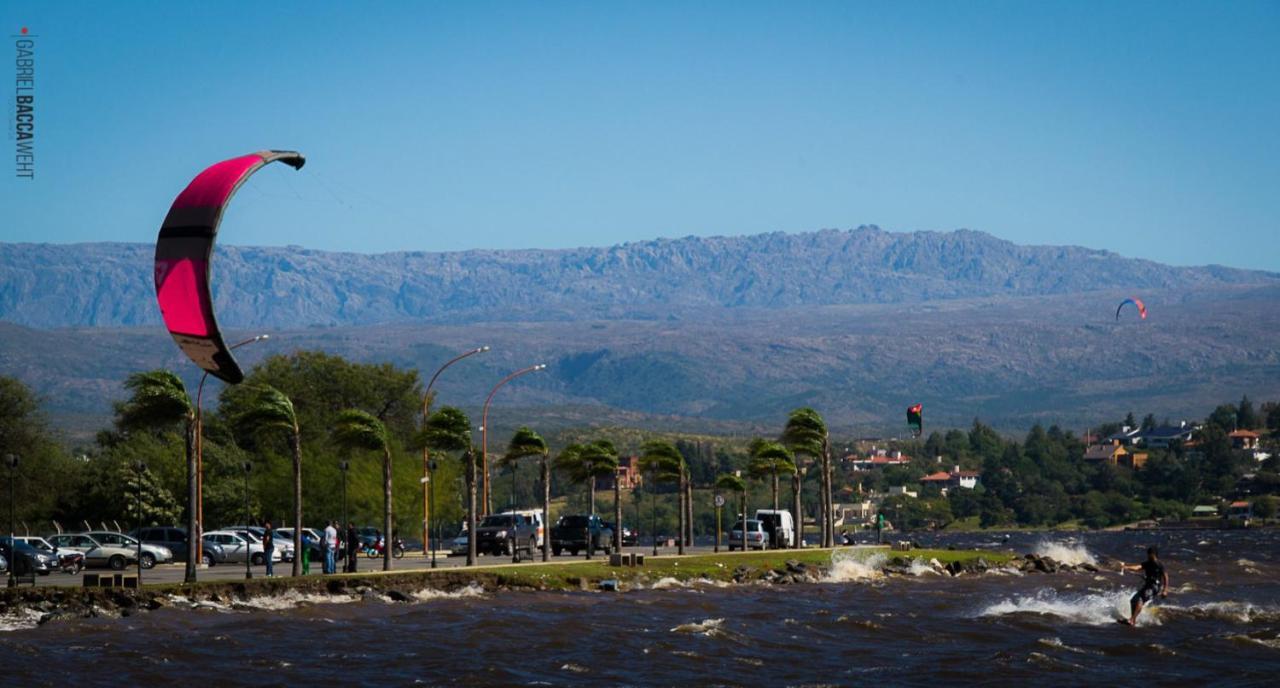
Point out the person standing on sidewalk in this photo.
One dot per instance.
(353, 546)
(306, 554)
(330, 548)
(268, 547)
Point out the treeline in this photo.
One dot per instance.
(1043, 479)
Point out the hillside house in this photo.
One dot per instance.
(1116, 455)
(955, 478)
(879, 458)
(628, 474)
(1165, 436)
(1244, 439)
(1127, 435)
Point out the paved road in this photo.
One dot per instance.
(173, 573)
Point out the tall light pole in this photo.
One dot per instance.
(431, 469)
(138, 468)
(12, 461)
(343, 466)
(515, 546)
(426, 458)
(484, 432)
(653, 509)
(198, 538)
(248, 554)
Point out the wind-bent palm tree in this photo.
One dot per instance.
(159, 400)
(449, 430)
(733, 483)
(585, 462)
(806, 434)
(667, 464)
(769, 460)
(526, 443)
(269, 410)
(356, 429)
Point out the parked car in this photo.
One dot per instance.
(27, 559)
(629, 536)
(458, 546)
(780, 527)
(171, 538)
(238, 547)
(283, 546)
(70, 562)
(581, 532)
(757, 537)
(151, 554)
(310, 540)
(96, 553)
(503, 533)
(534, 515)
(4, 564)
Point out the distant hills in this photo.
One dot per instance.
(109, 285)
(695, 334)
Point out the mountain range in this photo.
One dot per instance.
(716, 334)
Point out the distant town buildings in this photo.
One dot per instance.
(955, 478)
(878, 458)
(628, 474)
(1116, 455)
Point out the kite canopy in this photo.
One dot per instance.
(183, 258)
(1142, 308)
(915, 418)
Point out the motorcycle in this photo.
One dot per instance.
(374, 551)
(70, 563)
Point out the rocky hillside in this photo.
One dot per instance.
(109, 285)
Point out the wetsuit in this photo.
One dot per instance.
(1152, 582)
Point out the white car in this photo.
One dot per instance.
(151, 554)
(95, 553)
(757, 537)
(238, 548)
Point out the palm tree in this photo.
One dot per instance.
(449, 430)
(356, 429)
(806, 435)
(769, 460)
(667, 464)
(586, 462)
(158, 400)
(269, 410)
(526, 443)
(734, 483)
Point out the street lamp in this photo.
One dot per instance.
(248, 554)
(484, 432)
(426, 463)
(198, 537)
(435, 542)
(11, 460)
(138, 468)
(515, 546)
(653, 510)
(343, 466)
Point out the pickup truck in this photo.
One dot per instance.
(581, 532)
(500, 533)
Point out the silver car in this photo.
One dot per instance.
(237, 547)
(151, 554)
(95, 553)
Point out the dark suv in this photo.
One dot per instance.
(499, 533)
(579, 532)
(172, 537)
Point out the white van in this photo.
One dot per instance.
(780, 526)
(536, 516)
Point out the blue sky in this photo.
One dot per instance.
(1149, 129)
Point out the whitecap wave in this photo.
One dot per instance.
(1066, 552)
(852, 568)
(1228, 610)
(1091, 609)
(472, 590)
(21, 620)
(707, 627)
(292, 598)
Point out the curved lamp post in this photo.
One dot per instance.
(248, 553)
(11, 460)
(426, 457)
(484, 432)
(198, 538)
(139, 467)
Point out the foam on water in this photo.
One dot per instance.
(292, 598)
(1068, 552)
(1091, 609)
(471, 591)
(707, 627)
(1228, 610)
(21, 621)
(920, 567)
(851, 568)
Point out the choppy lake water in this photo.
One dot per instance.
(1219, 626)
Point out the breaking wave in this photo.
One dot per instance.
(1091, 609)
(707, 627)
(851, 568)
(471, 591)
(1069, 552)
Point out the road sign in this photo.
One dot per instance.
(719, 501)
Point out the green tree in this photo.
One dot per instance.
(158, 401)
(269, 411)
(584, 463)
(666, 464)
(47, 477)
(805, 434)
(146, 501)
(358, 430)
(449, 431)
(768, 461)
(526, 443)
(1246, 418)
